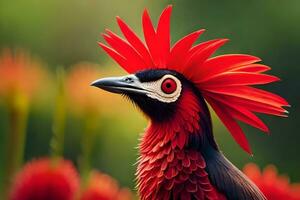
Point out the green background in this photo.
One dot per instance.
(65, 32)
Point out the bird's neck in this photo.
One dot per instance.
(190, 127)
(170, 152)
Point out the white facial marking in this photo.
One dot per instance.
(155, 90)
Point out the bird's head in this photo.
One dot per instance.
(157, 92)
(164, 79)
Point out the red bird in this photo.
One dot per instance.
(179, 158)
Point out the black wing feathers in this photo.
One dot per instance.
(229, 180)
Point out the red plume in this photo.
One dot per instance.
(225, 81)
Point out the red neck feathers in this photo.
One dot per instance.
(168, 168)
(185, 120)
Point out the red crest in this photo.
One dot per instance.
(225, 81)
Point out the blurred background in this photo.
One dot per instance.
(64, 34)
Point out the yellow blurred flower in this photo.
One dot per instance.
(21, 76)
(19, 73)
(84, 98)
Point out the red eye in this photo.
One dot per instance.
(168, 86)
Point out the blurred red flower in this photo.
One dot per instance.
(103, 187)
(273, 185)
(19, 72)
(46, 179)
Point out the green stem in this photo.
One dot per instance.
(88, 137)
(18, 113)
(59, 118)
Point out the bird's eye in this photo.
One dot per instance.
(168, 86)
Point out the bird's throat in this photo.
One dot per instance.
(169, 166)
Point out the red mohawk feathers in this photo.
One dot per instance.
(225, 81)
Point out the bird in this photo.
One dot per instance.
(178, 155)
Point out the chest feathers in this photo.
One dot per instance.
(168, 168)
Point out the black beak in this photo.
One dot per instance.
(124, 84)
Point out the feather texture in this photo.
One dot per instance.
(226, 81)
(166, 168)
(228, 179)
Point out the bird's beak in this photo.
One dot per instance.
(124, 85)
